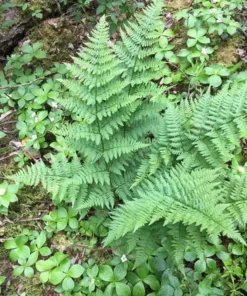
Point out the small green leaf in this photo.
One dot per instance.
(61, 224)
(10, 244)
(62, 213)
(2, 279)
(106, 273)
(238, 250)
(2, 134)
(43, 265)
(192, 33)
(41, 239)
(73, 223)
(37, 45)
(169, 33)
(27, 57)
(142, 271)
(27, 48)
(13, 255)
(152, 281)
(76, 271)
(204, 40)
(23, 252)
(157, 264)
(33, 258)
(139, 289)
(68, 284)
(200, 266)
(191, 42)
(223, 255)
(18, 270)
(215, 80)
(122, 289)
(38, 92)
(163, 42)
(56, 276)
(100, 9)
(211, 263)
(21, 240)
(45, 251)
(41, 54)
(29, 272)
(93, 272)
(119, 272)
(231, 30)
(44, 276)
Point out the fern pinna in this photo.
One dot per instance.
(116, 113)
(189, 181)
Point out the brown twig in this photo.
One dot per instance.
(4, 73)
(8, 122)
(178, 68)
(28, 219)
(3, 116)
(9, 156)
(23, 84)
(243, 32)
(29, 155)
(90, 248)
(6, 220)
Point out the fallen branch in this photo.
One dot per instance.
(90, 248)
(8, 122)
(2, 117)
(28, 219)
(243, 32)
(23, 84)
(9, 156)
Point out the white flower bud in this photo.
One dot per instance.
(124, 258)
(241, 169)
(2, 191)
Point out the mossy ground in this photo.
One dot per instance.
(177, 5)
(226, 52)
(32, 203)
(62, 38)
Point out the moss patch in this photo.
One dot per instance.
(226, 53)
(61, 39)
(32, 287)
(176, 5)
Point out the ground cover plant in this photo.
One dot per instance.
(124, 167)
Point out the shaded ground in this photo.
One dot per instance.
(62, 37)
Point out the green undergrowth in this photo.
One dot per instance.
(134, 151)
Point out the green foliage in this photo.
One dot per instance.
(7, 196)
(117, 11)
(195, 142)
(28, 91)
(59, 219)
(217, 17)
(4, 7)
(111, 114)
(118, 104)
(2, 279)
(18, 248)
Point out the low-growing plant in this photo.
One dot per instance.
(59, 219)
(57, 269)
(7, 196)
(171, 165)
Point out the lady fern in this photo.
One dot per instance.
(186, 182)
(115, 113)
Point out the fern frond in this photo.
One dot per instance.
(235, 193)
(191, 198)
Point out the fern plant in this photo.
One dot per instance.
(116, 112)
(187, 182)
